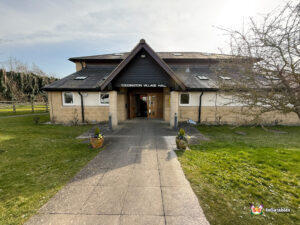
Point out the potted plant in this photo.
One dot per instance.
(181, 140)
(98, 139)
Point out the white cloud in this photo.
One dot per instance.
(169, 24)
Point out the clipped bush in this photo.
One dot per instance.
(181, 132)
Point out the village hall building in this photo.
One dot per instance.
(149, 84)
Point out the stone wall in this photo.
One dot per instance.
(166, 104)
(122, 101)
(209, 114)
(68, 114)
(233, 115)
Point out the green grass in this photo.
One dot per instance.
(35, 162)
(21, 110)
(20, 113)
(230, 171)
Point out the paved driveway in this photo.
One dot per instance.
(136, 180)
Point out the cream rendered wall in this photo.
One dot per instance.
(210, 99)
(92, 98)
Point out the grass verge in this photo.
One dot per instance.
(2, 114)
(231, 171)
(36, 161)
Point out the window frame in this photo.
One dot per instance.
(185, 104)
(104, 104)
(64, 102)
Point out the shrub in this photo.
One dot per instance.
(181, 132)
(97, 131)
(75, 120)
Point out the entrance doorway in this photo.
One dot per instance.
(141, 105)
(146, 104)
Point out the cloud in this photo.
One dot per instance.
(32, 29)
(179, 22)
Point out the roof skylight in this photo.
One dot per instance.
(225, 78)
(202, 77)
(80, 78)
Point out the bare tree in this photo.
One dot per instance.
(17, 66)
(266, 63)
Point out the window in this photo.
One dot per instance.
(68, 98)
(104, 99)
(184, 99)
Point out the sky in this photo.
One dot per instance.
(47, 33)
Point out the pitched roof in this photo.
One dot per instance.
(95, 75)
(189, 77)
(164, 55)
(99, 76)
(142, 45)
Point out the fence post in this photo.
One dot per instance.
(14, 108)
(47, 107)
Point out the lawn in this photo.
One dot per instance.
(36, 161)
(19, 113)
(231, 171)
(21, 109)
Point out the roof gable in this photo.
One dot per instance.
(142, 45)
(143, 70)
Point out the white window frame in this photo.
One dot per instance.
(103, 104)
(63, 96)
(184, 104)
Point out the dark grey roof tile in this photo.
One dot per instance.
(94, 77)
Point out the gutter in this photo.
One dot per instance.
(82, 108)
(200, 104)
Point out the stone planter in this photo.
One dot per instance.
(181, 143)
(96, 142)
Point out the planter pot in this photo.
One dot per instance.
(96, 143)
(181, 143)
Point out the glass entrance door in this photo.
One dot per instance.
(152, 105)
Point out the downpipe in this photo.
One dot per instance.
(82, 108)
(200, 105)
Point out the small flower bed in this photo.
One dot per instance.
(181, 140)
(98, 139)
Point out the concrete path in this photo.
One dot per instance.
(136, 180)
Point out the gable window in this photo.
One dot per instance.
(185, 99)
(104, 99)
(68, 98)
